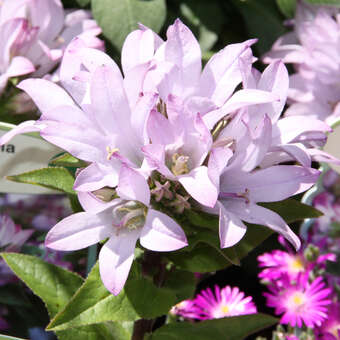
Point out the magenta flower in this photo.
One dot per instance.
(35, 33)
(330, 328)
(185, 309)
(280, 264)
(228, 301)
(302, 303)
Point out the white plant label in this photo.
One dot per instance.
(24, 153)
(333, 145)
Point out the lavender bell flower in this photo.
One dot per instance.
(312, 47)
(35, 33)
(211, 150)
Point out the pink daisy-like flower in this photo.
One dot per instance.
(301, 303)
(186, 309)
(330, 329)
(228, 301)
(280, 262)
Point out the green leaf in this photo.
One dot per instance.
(212, 238)
(148, 300)
(54, 285)
(232, 328)
(105, 331)
(53, 178)
(94, 304)
(325, 2)
(292, 210)
(205, 19)
(262, 19)
(83, 3)
(182, 283)
(65, 159)
(118, 18)
(205, 258)
(287, 7)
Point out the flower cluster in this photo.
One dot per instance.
(324, 231)
(41, 212)
(34, 34)
(168, 136)
(297, 290)
(219, 303)
(312, 47)
(12, 237)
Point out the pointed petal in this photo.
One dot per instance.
(198, 184)
(222, 73)
(140, 116)
(78, 57)
(92, 204)
(156, 126)
(83, 143)
(218, 160)
(240, 99)
(133, 186)
(322, 156)
(272, 184)
(162, 233)
(94, 177)
(115, 260)
(28, 126)
(77, 231)
(255, 214)
(231, 228)
(298, 152)
(259, 144)
(45, 94)
(289, 128)
(275, 79)
(155, 157)
(183, 50)
(139, 47)
(20, 66)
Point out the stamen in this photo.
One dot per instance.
(161, 108)
(244, 195)
(179, 164)
(129, 215)
(110, 152)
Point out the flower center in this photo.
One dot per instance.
(296, 265)
(129, 215)
(110, 152)
(297, 301)
(179, 164)
(225, 310)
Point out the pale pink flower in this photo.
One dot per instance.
(313, 49)
(12, 237)
(34, 34)
(123, 222)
